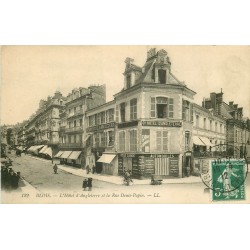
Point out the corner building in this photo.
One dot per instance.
(153, 121)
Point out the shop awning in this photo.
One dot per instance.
(197, 141)
(35, 150)
(65, 154)
(74, 155)
(30, 148)
(107, 158)
(206, 141)
(48, 151)
(58, 154)
(43, 149)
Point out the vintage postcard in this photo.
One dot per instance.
(125, 124)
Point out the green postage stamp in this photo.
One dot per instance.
(228, 179)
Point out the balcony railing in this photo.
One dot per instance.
(74, 129)
(77, 112)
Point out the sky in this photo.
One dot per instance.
(31, 73)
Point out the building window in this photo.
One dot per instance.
(186, 110)
(111, 138)
(162, 76)
(74, 110)
(111, 115)
(102, 117)
(103, 139)
(122, 141)
(128, 81)
(80, 122)
(187, 140)
(122, 111)
(216, 127)
(133, 140)
(133, 109)
(197, 121)
(162, 140)
(210, 126)
(69, 124)
(236, 135)
(160, 107)
(205, 123)
(74, 123)
(220, 128)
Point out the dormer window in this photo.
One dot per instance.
(162, 76)
(128, 81)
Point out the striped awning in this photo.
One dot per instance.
(65, 154)
(59, 154)
(74, 155)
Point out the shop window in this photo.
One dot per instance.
(133, 140)
(122, 111)
(162, 76)
(133, 109)
(122, 141)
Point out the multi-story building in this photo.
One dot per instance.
(101, 138)
(153, 115)
(72, 126)
(238, 127)
(42, 130)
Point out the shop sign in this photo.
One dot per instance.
(101, 127)
(162, 123)
(128, 124)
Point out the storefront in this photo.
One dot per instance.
(145, 165)
(109, 163)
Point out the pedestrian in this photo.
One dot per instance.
(16, 179)
(55, 168)
(90, 184)
(87, 169)
(93, 169)
(85, 184)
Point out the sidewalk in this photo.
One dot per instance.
(119, 180)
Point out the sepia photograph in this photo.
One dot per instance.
(147, 124)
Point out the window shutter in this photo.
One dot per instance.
(171, 108)
(117, 113)
(183, 110)
(191, 111)
(152, 107)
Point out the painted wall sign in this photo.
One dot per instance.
(128, 124)
(161, 123)
(101, 127)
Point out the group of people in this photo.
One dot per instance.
(9, 178)
(87, 184)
